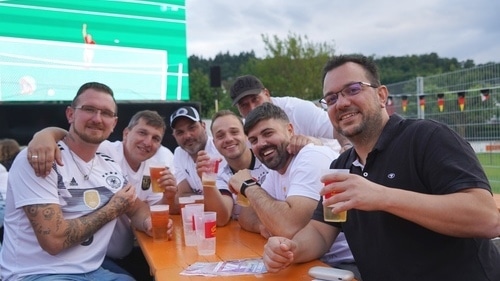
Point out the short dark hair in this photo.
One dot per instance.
(95, 86)
(224, 112)
(264, 112)
(365, 62)
(151, 117)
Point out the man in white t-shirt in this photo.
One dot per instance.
(140, 147)
(60, 225)
(248, 92)
(286, 200)
(231, 142)
(190, 133)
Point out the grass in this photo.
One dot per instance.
(491, 165)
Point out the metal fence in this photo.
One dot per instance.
(467, 100)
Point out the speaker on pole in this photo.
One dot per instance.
(215, 80)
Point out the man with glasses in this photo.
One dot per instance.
(419, 205)
(140, 147)
(59, 226)
(310, 123)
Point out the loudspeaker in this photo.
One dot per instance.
(215, 77)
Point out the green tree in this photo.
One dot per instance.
(292, 66)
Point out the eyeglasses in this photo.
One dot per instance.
(350, 90)
(93, 111)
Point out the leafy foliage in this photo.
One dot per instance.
(292, 67)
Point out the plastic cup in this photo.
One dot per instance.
(155, 174)
(159, 221)
(198, 198)
(242, 200)
(206, 228)
(183, 201)
(328, 215)
(189, 212)
(209, 176)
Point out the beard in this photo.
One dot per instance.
(93, 139)
(369, 127)
(195, 146)
(278, 161)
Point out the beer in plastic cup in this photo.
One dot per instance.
(209, 176)
(189, 213)
(159, 221)
(154, 174)
(206, 228)
(242, 200)
(327, 210)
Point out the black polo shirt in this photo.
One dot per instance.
(427, 157)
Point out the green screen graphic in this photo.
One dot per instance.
(139, 50)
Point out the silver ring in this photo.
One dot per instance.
(34, 156)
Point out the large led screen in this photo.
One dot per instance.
(48, 48)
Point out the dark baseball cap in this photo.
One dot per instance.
(185, 111)
(245, 86)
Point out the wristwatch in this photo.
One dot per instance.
(246, 184)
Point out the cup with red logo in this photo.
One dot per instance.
(328, 215)
(206, 228)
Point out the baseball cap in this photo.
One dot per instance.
(245, 86)
(185, 111)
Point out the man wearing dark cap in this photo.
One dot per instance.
(248, 92)
(191, 136)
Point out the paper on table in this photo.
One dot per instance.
(226, 268)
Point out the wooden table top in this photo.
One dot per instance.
(168, 259)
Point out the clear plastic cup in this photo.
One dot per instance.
(206, 228)
(159, 220)
(189, 212)
(328, 215)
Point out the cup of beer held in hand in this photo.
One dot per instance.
(155, 174)
(328, 215)
(209, 176)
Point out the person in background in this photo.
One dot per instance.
(231, 142)
(140, 147)
(419, 205)
(190, 134)
(285, 201)
(59, 227)
(311, 124)
(9, 148)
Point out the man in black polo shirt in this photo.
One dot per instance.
(419, 204)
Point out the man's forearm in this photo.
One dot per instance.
(55, 233)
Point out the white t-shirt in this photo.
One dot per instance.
(122, 241)
(185, 166)
(302, 179)
(258, 171)
(3, 181)
(308, 119)
(21, 253)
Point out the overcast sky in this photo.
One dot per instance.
(461, 29)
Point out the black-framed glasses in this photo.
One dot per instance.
(349, 90)
(93, 111)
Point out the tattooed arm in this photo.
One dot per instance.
(55, 233)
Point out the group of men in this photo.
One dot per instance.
(417, 210)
